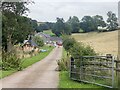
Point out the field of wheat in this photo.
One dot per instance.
(103, 43)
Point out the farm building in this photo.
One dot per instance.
(29, 45)
(48, 39)
(45, 37)
(58, 40)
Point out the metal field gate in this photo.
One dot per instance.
(97, 70)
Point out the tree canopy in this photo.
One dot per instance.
(88, 24)
(15, 27)
(112, 21)
(74, 22)
(60, 27)
(99, 21)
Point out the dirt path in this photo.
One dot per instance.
(40, 75)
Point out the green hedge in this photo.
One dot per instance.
(77, 49)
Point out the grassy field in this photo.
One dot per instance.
(49, 32)
(103, 43)
(28, 61)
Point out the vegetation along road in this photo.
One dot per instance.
(40, 75)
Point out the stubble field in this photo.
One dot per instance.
(103, 43)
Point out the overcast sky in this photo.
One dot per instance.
(48, 10)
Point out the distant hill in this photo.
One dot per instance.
(103, 43)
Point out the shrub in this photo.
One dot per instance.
(68, 42)
(38, 41)
(10, 61)
(77, 49)
(63, 64)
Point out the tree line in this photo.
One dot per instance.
(86, 24)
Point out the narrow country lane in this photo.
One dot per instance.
(40, 75)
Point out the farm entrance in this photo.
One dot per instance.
(99, 70)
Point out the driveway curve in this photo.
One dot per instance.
(40, 75)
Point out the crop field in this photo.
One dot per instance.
(103, 43)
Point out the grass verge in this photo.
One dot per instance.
(28, 61)
(64, 53)
(66, 82)
(6, 73)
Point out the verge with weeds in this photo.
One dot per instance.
(11, 67)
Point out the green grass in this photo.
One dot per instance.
(28, 61)
(49, 32)
(6, 73)
(64, 53)
(66, 82)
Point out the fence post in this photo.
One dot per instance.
(71, 63)
(113, 72)
(80, 68)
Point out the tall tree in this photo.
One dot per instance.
(74, 22)
(34, 24)
(98, 21)
(13, 22)
(88, 24)
(60, 27)
(112, 21)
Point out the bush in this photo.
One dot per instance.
(10, 61)
(38, 41)
(77, 49)
(68, 42)
(63, 64)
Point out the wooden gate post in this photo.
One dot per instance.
(71, 64)
(118, 72)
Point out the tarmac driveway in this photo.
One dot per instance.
(40, 75)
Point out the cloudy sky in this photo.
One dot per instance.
(48, 10)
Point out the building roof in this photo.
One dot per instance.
(56, 39)
(44, 35)
(47, 37)
(31, 42)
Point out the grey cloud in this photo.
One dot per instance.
(48, 11)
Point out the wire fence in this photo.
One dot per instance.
(99, 70)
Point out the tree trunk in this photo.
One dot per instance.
(9, 44)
